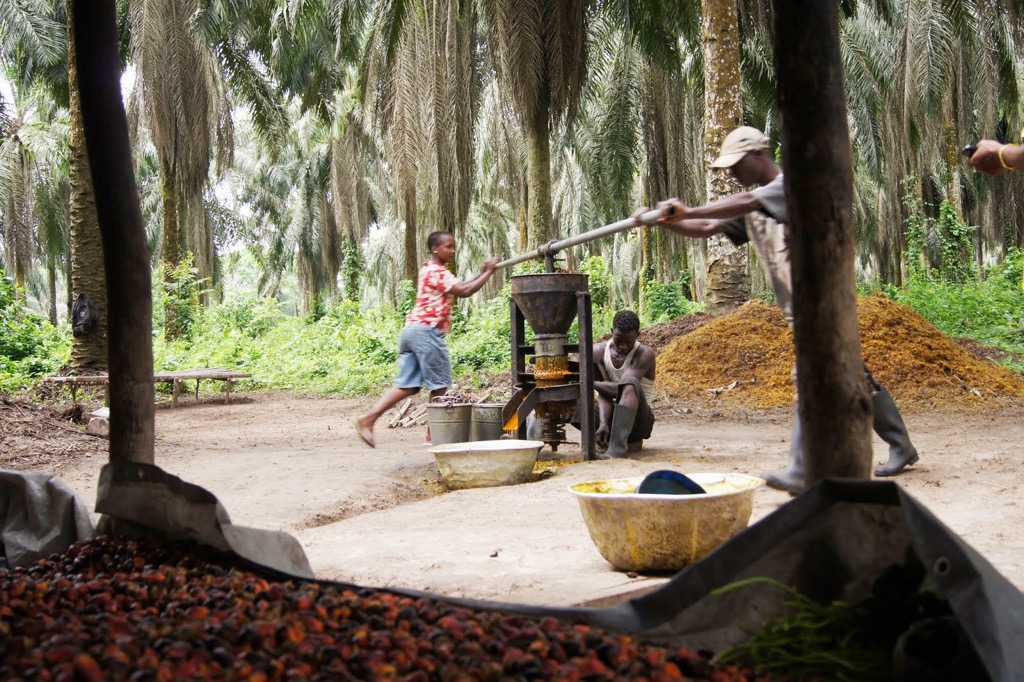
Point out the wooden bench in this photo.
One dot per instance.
(175, 378)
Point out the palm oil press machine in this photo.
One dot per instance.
(558, 390)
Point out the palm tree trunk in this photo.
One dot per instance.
(834, 406)
(352, 266)
(67, 286)
(332, 252)
(19, 280)
(171, 251)
(523, 221)
(665, 161)
(88, 273)
(411, 242)
(538, 133)
(728, 283)
(647, 269)
(51, 281)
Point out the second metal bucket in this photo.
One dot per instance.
(449, 422)
(486, 422)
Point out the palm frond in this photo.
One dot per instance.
(32, 37)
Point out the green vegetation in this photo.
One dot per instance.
(990, 311)
(812, 641)
(944, 283)
(30, 347)
(667, 301)
(337, 348)
(901, 622)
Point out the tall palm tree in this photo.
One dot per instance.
(34, 47)
(185, 103)
(310, 48)
(424, 72)
(264, 183)
(33, 168)
(923, 77)
(354, 161)
(628, 138)
(498, 213)
(52, 199)
(539, 49)
(665, 141)
(16, 205)
(318, 252)
(190, 57)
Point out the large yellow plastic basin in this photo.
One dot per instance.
(636, 532)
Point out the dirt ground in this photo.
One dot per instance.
(382, 517)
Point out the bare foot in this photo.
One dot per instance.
(365, 432)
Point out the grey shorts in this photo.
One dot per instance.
(423, 358)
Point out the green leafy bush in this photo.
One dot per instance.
(30, 347)
(956, 243)
(939, 243)
(483, 341)
(663, 301)
(406, 296)
(245, 314)
(177, 299)
(990, 311)
(599, 279)
(1011, 270)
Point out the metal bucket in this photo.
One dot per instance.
(486, 422)
(449, 422)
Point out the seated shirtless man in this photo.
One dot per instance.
(625, 377)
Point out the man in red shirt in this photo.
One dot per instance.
(423, 358)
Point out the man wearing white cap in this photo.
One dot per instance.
(759, 216)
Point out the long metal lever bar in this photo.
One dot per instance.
(554, 247)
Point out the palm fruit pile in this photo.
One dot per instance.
(746, 358)
(121, 609)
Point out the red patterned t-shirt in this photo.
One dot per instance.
(433, 302)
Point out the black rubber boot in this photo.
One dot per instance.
(889, 426)
(622, 424)
(791, 479)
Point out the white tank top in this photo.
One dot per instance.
(615, 373)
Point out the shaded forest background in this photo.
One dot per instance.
(292, 157)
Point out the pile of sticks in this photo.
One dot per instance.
(404, 418)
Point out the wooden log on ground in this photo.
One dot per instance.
(401, 413)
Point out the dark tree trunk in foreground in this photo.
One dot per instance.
(835, 408)
(125, 252)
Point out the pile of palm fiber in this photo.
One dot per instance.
(746, 358)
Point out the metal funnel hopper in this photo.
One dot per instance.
(548, 300)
